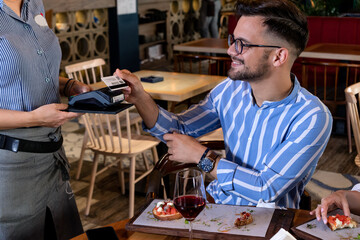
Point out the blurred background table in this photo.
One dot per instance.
(204, 45)
(335, 51)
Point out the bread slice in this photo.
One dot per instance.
(244, 219)
(340, 221)
(165, 211)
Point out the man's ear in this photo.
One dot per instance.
(281, 56)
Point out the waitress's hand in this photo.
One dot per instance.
(78, 87)
(50, 115)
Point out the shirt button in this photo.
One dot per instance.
(40, 52)
(47, 79)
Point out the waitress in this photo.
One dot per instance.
(36, 200)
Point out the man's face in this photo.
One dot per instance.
(253, 63)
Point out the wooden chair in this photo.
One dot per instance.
(90, 72)
(201, 64)
(165, 166)
(327, 80)
(352, 94)
(227, 23)
(107, 137)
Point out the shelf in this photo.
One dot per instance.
(151, 23)
(152, 43)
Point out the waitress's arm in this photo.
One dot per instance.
(69, 87)
(49, 115)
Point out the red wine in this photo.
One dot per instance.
(189, 206)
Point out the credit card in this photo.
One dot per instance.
(114, 82)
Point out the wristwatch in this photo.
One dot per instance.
(207, 163)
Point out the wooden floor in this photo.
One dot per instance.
(110, 206)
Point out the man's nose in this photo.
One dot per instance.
(231, 50)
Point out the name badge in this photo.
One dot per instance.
(40, 20)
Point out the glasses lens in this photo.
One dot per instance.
(238, 43)
(230, 40)
(239, 46)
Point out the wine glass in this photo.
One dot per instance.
(189, 195)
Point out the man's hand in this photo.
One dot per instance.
(79, 87)
(183, 148)
(336, 199)
(134, 92)
(51, 115)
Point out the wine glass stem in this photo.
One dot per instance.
(190, 231)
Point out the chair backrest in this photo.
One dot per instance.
(227, 23)
(353, 103)
(327, 80)
(201, 64)
(87, 72)
(106, 132)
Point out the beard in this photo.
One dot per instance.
(247, 74)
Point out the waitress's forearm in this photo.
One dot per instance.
(10, 119)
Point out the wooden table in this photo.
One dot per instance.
(301, 216)
(346, 52)
(176, 87)
(204, 45)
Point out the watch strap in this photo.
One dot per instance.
(213, 156)
(204, 154)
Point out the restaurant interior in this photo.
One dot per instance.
(162, 38)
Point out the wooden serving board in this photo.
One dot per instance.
(215, 222)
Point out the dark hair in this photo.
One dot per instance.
(282, 17)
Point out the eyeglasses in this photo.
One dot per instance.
(239, 44)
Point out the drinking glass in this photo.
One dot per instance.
(189, 195)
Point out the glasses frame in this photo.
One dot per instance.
(232, 40)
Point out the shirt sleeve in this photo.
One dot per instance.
(356, 187)
(196, 121)
(284, 166)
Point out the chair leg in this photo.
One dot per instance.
(132, 186)
(155, 155)
(92, 184)
(137, 128)
(146, 163)
(121, 177)
(82, 153)
(357, 160)
(348, 126)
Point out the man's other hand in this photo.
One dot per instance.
(183, 148)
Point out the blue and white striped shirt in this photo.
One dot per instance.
(30, 58)
(271, 151)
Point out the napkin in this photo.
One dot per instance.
(263, 204)
(282, 234)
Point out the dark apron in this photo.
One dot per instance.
(32, 182)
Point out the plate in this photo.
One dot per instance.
(318, 230)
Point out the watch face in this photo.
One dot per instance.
(206, 164)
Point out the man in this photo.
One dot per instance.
(274, 130)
